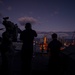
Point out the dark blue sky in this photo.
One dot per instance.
(45, 15)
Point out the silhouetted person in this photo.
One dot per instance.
(54, 62)
(27, 37)
(13, 28)
(0, 39)
(6, 46)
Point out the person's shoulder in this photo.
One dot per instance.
(33, 30)
(23, 31)
(50, 42)
(4, 33)
(59, 42)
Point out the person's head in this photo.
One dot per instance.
(28, 25)
(54, 36)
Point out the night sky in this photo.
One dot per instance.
(45, 15)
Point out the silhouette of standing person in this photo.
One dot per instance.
(6, 46)
(27, 37)
(54, 49)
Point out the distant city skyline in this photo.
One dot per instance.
(45, 16)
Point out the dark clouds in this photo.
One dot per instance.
(1, 1)
(1, 15)
(9, 8)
